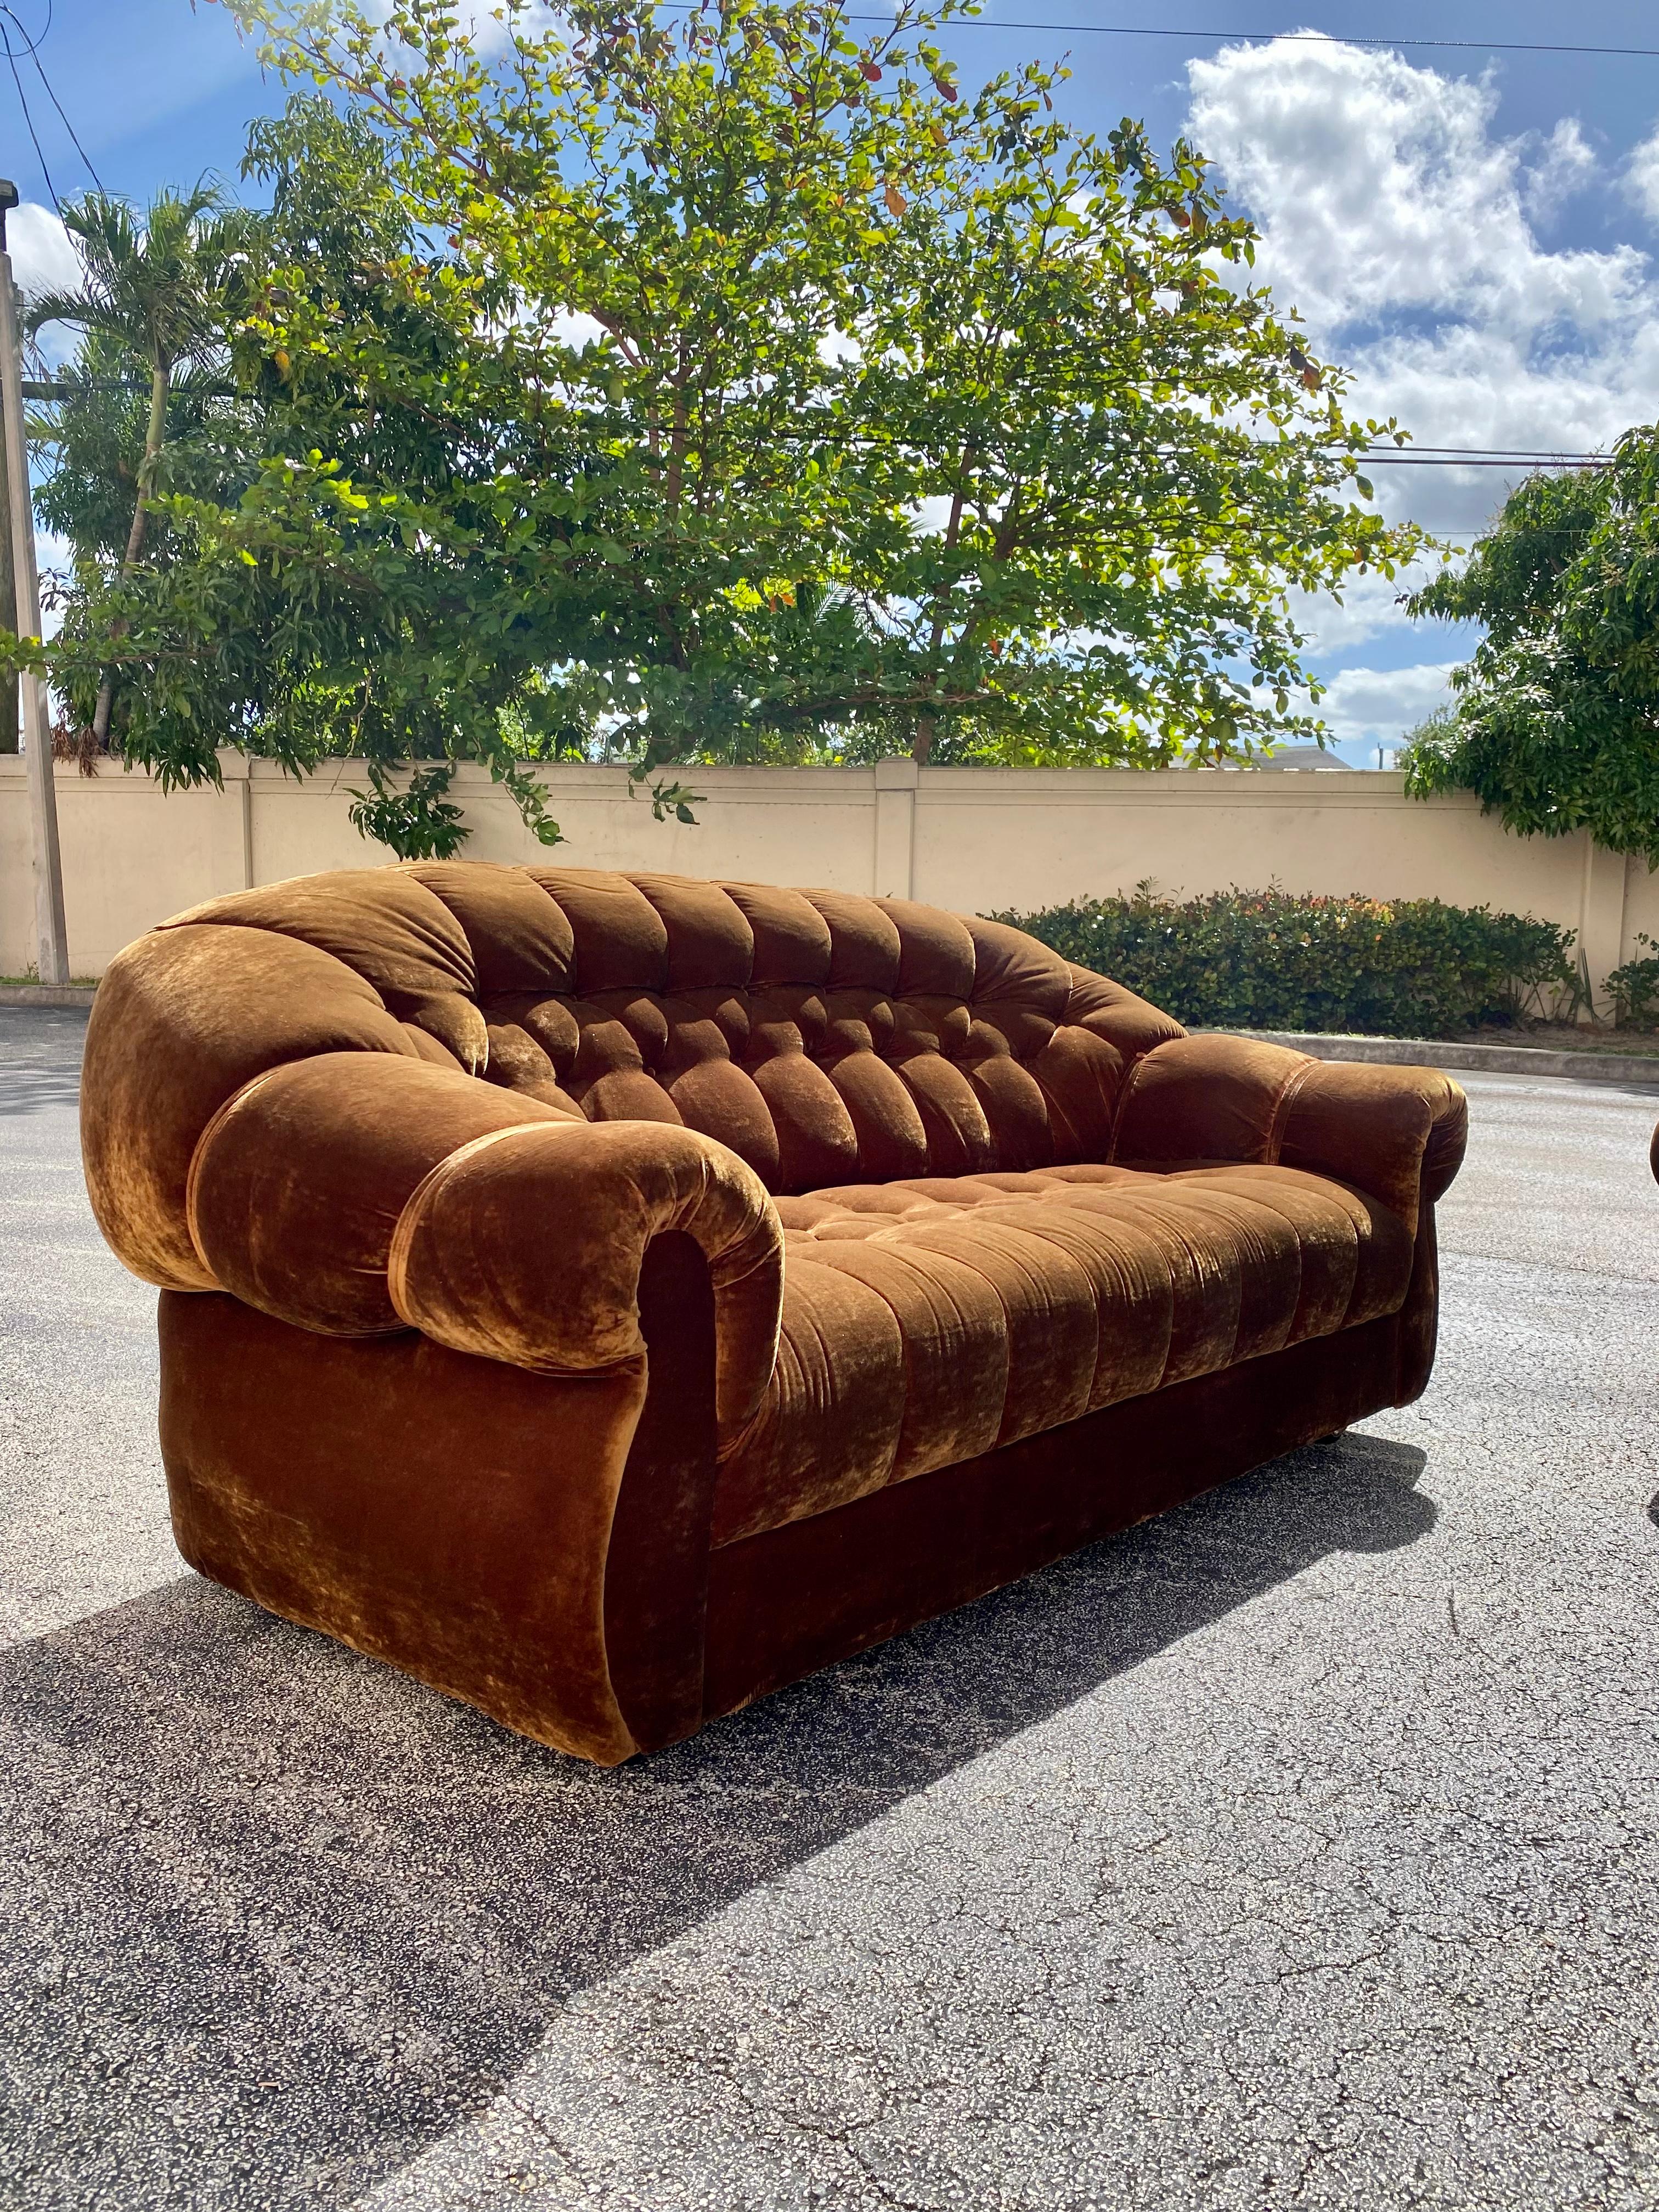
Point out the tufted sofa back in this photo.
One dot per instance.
(825, 1038)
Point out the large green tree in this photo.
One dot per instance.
(1554, 721)
(288, 658)
(158, 295)
(720, 386)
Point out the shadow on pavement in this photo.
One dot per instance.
(272, 1919)
(40, 1057)
(32, 1090)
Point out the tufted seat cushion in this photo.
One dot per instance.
(929, 1321)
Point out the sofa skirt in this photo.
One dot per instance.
(539, 1545)
(790, 1600)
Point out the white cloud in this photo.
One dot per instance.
(573, 326)
(43, 259)
(1397, 221)
(1642, 177)
(488, 25)
(1369, 606)
(1378, 706)
(1566, 166)
(1379, 188)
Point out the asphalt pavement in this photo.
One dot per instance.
(1300, 1848)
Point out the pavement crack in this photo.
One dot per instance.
(1328, 1966)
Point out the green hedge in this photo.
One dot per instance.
(1264, 960)
(1634, 990)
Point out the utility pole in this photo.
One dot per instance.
(51, 940)
(9, 691)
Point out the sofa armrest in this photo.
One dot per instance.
(1397, 1133)
(526, 1246)
(1358, 1122)
(355, 1194)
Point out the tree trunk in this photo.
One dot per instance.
(155, 434)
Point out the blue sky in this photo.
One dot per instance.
(1474, 232)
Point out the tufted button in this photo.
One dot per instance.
(710, 941)
(856, 1021)
(787, 1017)
(985, 1042)
(791, 937)
(937, 958)
(692, 1038)
(549, 1021)
(621, 940)
(930, 1025)
(516, 1060)
(887, 1123)
(864, 941)
(642, 1015)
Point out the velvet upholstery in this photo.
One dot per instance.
(786, 1601)
(924, 1324)
(566, 1274)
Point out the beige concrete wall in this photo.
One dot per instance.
(973, 839)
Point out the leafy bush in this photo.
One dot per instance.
(1266, 960)
(1634, 990)
(418, 822)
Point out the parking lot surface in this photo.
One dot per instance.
(1301, 1848)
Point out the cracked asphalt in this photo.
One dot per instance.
(1300, 1848)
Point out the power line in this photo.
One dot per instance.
(1259, 38)
(1512, 462)
(1235, 38)
(1501, 453)
(41, 72)
(31, 48)
(23, 101)
(1449, 457)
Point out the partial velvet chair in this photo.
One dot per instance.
(610, 1298)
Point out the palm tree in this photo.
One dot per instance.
(161, 291)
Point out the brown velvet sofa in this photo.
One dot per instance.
(609, 1298)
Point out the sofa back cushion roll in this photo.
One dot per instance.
(184, 1018)
(823, 1037)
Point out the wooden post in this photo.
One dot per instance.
(52, 941)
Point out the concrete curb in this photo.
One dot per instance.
(49, 994)
(1622, 1067)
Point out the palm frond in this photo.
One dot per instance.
(157, 285)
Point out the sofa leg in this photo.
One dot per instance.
(656, 1582)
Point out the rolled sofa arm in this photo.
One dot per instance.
(1397, 1133)
(357, 1194)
